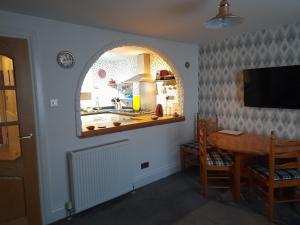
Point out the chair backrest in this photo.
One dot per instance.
(198, 121)
(283, 154)
(210, 124)
(202, 145)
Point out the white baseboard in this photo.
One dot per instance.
(156, 174)
(56, 214)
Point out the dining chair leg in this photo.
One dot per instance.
(270, 204)
(182, 155)
(237, 176)
(205, 182)
(200, 174)
(251, 188)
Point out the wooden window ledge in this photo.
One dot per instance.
(140, 122)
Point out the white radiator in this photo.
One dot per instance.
(100, 173)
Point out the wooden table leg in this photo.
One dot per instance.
(237, 176)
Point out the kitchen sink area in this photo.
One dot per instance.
(123, 111)
(104, 119)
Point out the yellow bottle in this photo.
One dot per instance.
(136, 103)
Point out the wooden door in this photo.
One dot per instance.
(19, 193)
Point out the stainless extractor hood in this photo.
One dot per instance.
(143, 70)
(144, 85)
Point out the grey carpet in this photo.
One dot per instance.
(176, 200)
(215, 213)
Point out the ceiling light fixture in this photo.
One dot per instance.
(224, 18)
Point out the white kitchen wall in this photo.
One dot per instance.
(56, 126)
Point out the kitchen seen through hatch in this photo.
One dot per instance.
(124, 84)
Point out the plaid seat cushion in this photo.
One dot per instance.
(216, 158)
(192, 145)
(280, 174)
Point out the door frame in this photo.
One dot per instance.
(38, 109)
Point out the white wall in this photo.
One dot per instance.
(56, 126)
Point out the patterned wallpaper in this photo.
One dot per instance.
(221, 82)
(119, 70)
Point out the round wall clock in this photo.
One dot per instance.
(65, 59)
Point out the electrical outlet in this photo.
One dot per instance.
(144, 165)
(53, 102)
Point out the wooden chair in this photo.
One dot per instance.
(213, 160)
(282, 171)
(190, 151)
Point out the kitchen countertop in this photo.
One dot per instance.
(125, 112)
(127, 123)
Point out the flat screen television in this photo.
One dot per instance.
(274, 87)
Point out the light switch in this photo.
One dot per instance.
(53, 102)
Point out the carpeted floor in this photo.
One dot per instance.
(176, 200)
(214, 213)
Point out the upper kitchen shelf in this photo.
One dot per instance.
(167, 81)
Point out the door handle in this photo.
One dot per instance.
(29, 136)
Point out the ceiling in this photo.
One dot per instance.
(180, 20)
(121, 53)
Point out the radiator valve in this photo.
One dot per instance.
(69, 209)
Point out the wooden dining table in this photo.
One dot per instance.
(240, 145)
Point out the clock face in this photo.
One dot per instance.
(65, 59)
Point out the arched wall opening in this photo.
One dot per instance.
(106, 74)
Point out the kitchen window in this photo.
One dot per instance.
(125, 88)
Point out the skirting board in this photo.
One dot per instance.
(156, 174)
(56, 214)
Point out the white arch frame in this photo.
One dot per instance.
(121, 43)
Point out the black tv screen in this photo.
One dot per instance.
(274, 87)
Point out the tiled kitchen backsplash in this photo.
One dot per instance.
(221, 83)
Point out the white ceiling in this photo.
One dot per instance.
(180, 20)
(122, 53)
